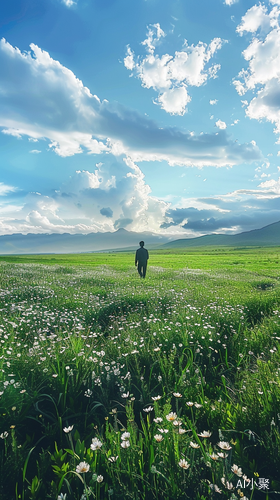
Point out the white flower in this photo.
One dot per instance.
(96, 444)
(224, 446)
(171, 416)
(4, 435)
(214, 456)
(156, 398)
(113, 459)
(228, 485)
(189, 403)
(197, 405)
(163, 431)
(177, 394)
(222, 455)
(158, 420)
(125, 436)
(237, 470)
(68, 429)
(184, 464)
(82, 467)
(158, 437)
(205, 434)
(125, 395)
(99, 479)
(181, 431)
(194, 445)
(61, 496)
(125, 444)
(147, 410)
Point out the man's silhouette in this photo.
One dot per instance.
(141, 257)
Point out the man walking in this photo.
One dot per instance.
(141, 257)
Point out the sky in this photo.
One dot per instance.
(151, 115)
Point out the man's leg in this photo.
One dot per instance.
(144, 269)
(139, 269)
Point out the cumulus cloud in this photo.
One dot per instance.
(262, 76)
(221, 125)
(234, 212)
(49, 101)
(114, 195)
(170, 75)
(213, 101)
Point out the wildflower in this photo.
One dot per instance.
(177, 394)
(156, 398)
(125, 395)
(197, 405)
(214, 456)
(228, 485)
(224, 446)
(68, 429)
(184, 464)
(99, 479)
(222, 455)
(113, 459)
(4, 435)
(189, 403)
(95, 444)
(54, 375)
(236, 470)
(88, 393)
(125, 444)
(205, 434)
(82, 467)
(23, 391)
(171, 416)
(163, 431)
(246, 479)
(125, 436)
(147, 410)
(181, 431)
(61, 496)
(194, 445)
(158, 420)
(158, 437)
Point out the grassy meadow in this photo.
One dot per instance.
(113, 387)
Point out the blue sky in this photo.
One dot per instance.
(151, 115)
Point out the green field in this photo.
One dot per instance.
(165, 388)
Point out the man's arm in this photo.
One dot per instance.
(147, 254)
(136, 258)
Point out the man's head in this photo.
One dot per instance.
(141, 244)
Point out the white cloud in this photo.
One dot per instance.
(170, 75)
(114, 195)
(255, 18)
(40, 98)
(263, 72)
(213, 101)
(35, 151)
(5, 189)
(221, 125)
(174, 100)
(68, 3)
(231, 2)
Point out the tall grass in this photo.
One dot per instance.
(112, 387)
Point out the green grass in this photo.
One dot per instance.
(85, 343)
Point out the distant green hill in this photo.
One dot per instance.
(266, 236)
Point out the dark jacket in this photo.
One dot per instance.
(141, 255)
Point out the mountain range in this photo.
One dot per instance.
(128, 240)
